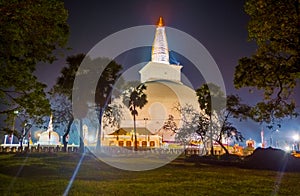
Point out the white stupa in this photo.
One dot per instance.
(165, 91)
(49, 137)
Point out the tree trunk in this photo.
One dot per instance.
(221, 144)
(184, 149)
(98, 146)
(134, 128)
(21, 142)
(204, 150)
(26, 130)
(81, 143)
(65, 142)
(211, 138)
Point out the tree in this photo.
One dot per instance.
(169, 128)
(62, 96)
(274, 67)
(135, 98)
(8, 131)
(170, 124)
(113, 115)
(31, 30)
(207, 95)
(234, 109)
(104, 90)
(194, 125)
(26, 129)
(219, 114)
(61, 108)
(84, 102)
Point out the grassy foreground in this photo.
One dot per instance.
(49, 174)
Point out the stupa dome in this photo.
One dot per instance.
(49, 138)
(164, 97)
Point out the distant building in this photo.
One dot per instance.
(49, 137)
(9, 139)
(124, 137)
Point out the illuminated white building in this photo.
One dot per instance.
(49, 137)
(165, 91)
(160, 50)
(159, 67)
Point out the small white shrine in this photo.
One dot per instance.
(49, 137)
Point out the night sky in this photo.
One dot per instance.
(221, 26)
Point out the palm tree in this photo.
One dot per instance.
(136, 99)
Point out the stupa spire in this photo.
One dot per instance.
(50, 125)
(160, 22)
(160, 51)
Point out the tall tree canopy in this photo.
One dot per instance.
(195, 125)
(61, 98)
(100, 96)
(31, 30)
(103, 94)
(274, 67)
(212, 101)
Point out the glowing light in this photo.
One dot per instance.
(160, 22)
(287, 148)
(296, 137)
(91, 139)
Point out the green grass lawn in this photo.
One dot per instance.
(49, 174)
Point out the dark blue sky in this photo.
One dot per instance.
(221, 26)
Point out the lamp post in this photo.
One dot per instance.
(16, 112)
(145, 119)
